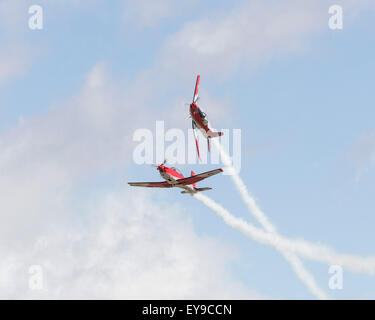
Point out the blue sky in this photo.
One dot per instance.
(73, 93)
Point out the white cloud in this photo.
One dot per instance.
(122, 245)
(44, 156)
(252, 33)
(126, 247)
(149, 13)
(248, 35)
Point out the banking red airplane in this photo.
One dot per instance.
(175, 179)
(199, 120)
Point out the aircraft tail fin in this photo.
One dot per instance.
(193, 174)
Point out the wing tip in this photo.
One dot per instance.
(132, 184)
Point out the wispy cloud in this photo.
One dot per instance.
(104, 251)
(147, 13)
(250, 34)
(124, 247)
(115, 246)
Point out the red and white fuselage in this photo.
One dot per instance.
(199, 120)
(172, 176)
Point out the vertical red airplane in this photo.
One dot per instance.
(199, 120)
(175, 179)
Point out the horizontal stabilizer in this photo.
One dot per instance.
(202, 189)
(196, 190)
(211, 134)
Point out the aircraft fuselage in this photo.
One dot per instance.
(171, 177)
(198, 121)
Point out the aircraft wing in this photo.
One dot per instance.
(163, 184)
(198, 177)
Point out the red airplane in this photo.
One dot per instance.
(175, 179)
(199, 120)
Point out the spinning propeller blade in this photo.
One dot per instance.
(195, 97)
(157, 166)
(196, 140)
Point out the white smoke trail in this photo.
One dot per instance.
(315, 252)
(250, 202)
(302, 273)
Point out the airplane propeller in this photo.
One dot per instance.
(162, 164)
(196, 140)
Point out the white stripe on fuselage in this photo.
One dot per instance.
(171, 180)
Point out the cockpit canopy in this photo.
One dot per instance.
(202, 114)
(177, 170)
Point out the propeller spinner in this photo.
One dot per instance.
(158, 166)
